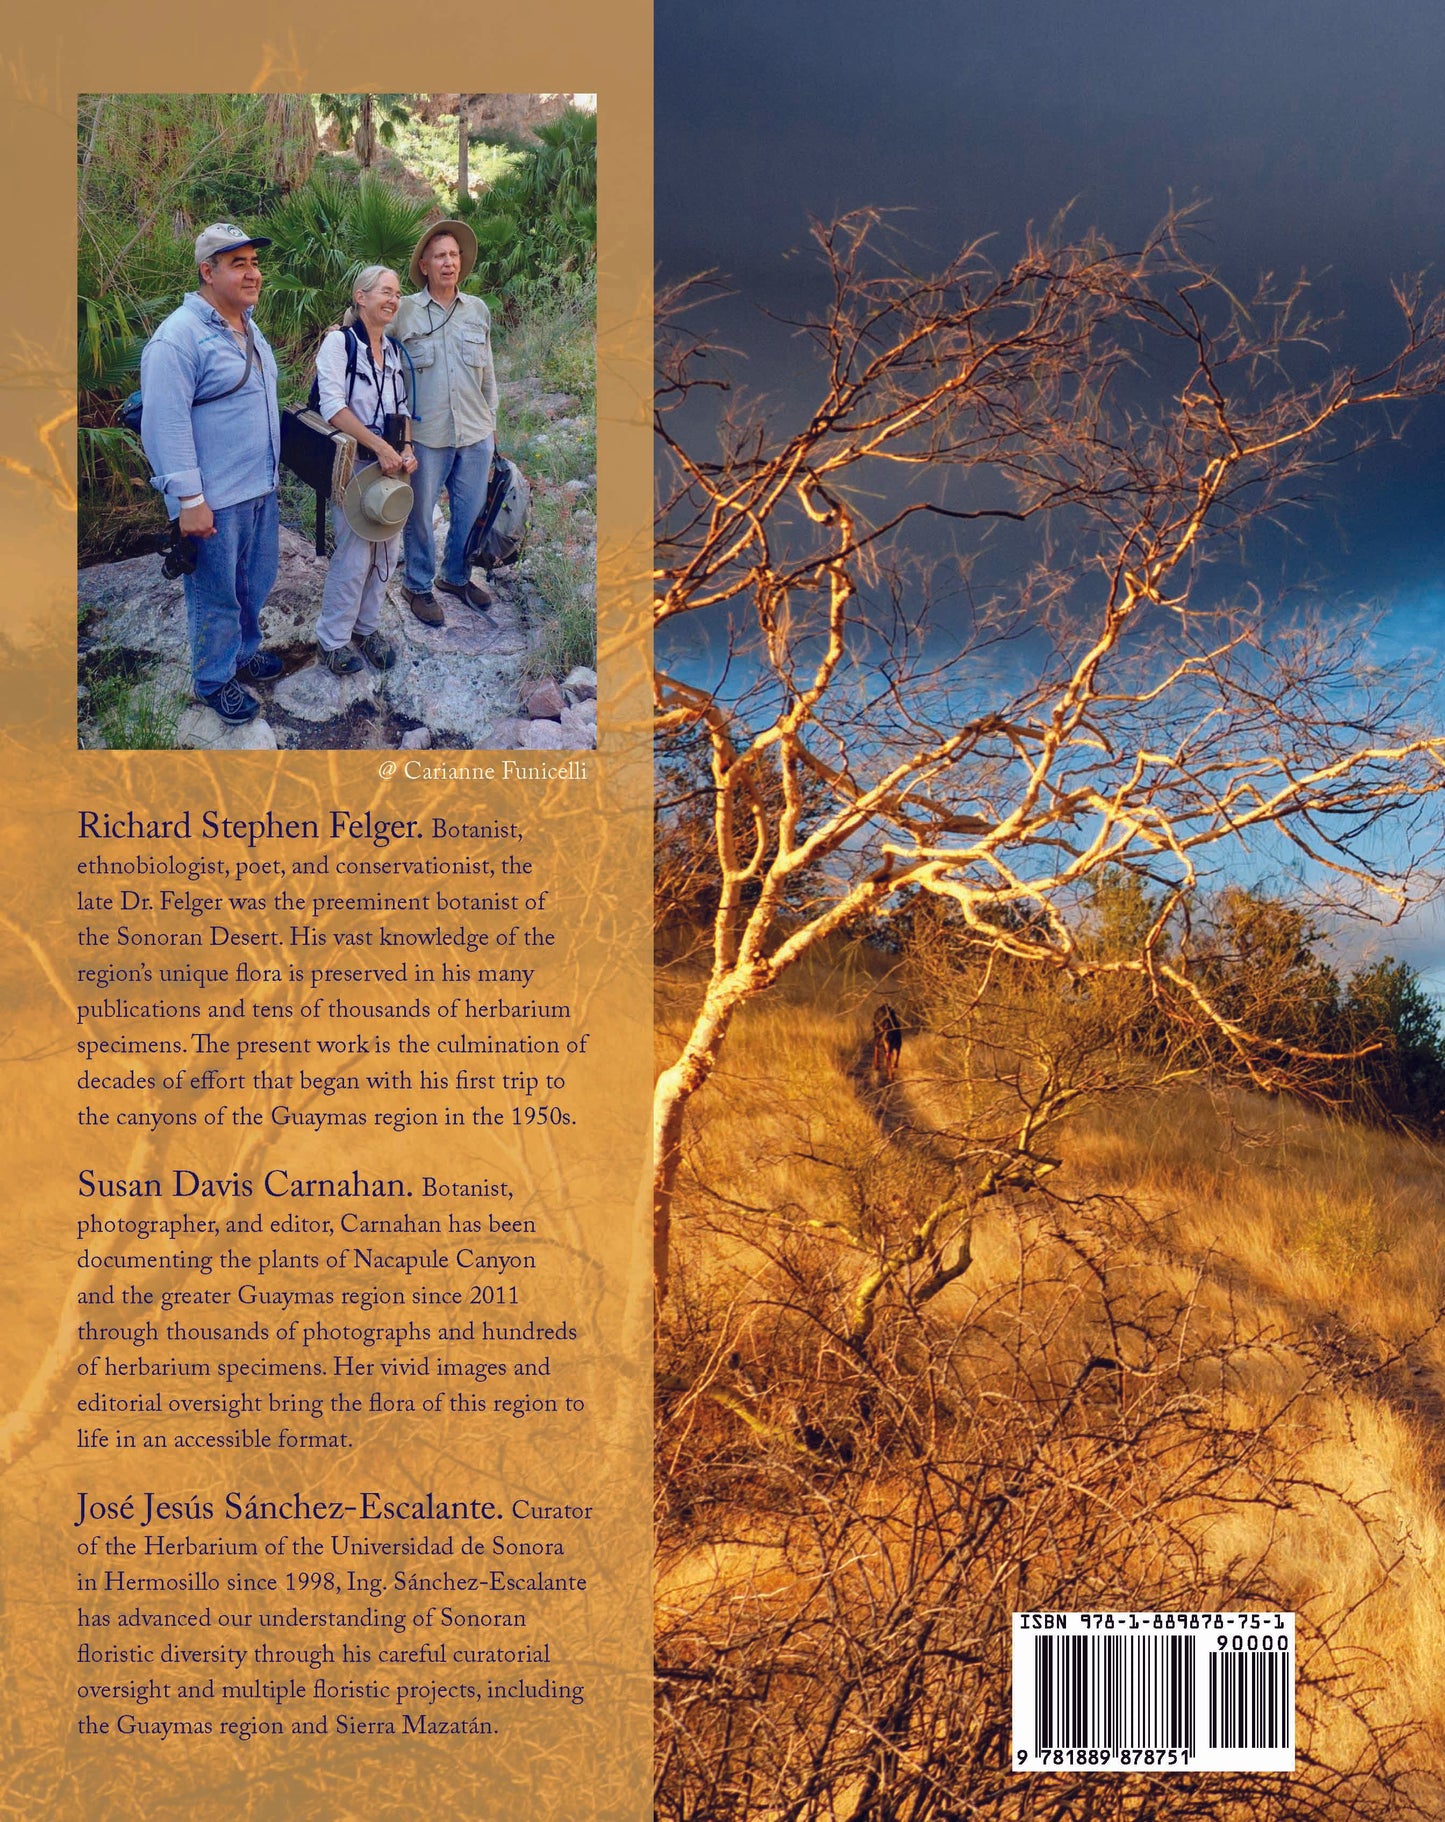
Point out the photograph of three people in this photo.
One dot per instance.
(337, 380)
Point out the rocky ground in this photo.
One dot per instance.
(481, 682)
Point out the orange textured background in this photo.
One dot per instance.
(589, 843)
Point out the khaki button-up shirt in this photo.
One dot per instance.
(456, 386)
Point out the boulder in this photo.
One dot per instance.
(580, 725)
(546, 736)
(316, 694)
(202, 727)
(140, 611)
(543, 702)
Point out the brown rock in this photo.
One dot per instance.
(544, 701)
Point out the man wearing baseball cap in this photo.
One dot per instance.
(212, 433)
(448, 335)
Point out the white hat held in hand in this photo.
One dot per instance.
(376, 505)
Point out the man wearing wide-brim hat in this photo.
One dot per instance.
(448, 334)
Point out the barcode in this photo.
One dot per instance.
(1153, 1691)
(1250, 1700)
(1116, 1692)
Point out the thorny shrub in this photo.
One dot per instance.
(845, 1525)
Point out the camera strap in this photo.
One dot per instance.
(361, 340)
(211, 397)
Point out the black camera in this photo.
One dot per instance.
(181, 556)
(178, 552)
(394, 429)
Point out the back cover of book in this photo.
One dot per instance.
(1049, 1181)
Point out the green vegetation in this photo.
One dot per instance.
(324, 233)
(153, 169)
(558, 565)
(536, 227)
(429, 148)
(1371, 1046)
(558, 340)
(133, 711)
(364, 121)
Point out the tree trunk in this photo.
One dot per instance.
(675, 1088)
(365, 135)
(464, 187)
(293, 141)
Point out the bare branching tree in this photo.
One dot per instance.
(1068, 443)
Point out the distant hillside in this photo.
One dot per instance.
(507, 116)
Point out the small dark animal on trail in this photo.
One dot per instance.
(887, 1043)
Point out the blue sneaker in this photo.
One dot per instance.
(234, 705)
(261, 667)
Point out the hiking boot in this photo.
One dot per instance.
(423, 603)
(378, 651)
(234, 705)
(343, 662)
(261, 667)
(475, 594)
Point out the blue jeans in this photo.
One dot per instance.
(464, 473)
(234, 573)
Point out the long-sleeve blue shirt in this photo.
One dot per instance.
(228, 450)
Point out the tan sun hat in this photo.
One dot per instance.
(466, 243)
(376, 505)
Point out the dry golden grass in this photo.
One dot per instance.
(1244, 1267)
(1335, 1235)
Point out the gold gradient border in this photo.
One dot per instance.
(592, 845)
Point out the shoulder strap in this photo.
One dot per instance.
(410, 383)
(353, 350)
(313, 398)
(400, 397)
(211, 397)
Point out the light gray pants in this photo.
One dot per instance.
(356, 580)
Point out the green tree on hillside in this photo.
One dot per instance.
(1258, 965)
(1402, 1078)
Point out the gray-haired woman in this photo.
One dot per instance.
(360, 384)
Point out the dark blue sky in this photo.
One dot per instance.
(1310, 129)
